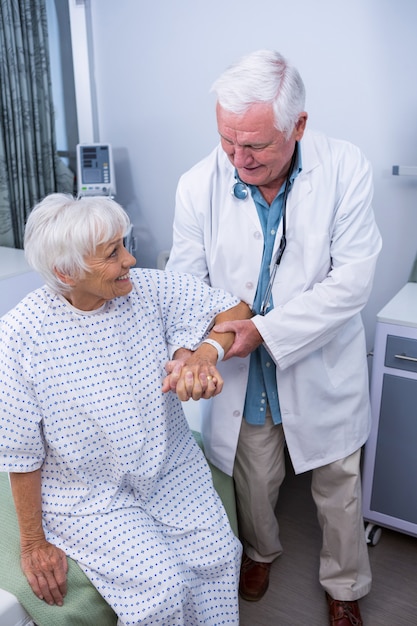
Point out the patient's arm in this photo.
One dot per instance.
(44, 565)
(194, 374)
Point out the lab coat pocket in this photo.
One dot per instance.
(315, 256)
(343, 356)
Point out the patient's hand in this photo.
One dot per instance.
(192, 375)
(45, 567)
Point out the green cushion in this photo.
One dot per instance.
(83, 605)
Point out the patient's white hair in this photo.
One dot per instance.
(263, 76)
(61, 231)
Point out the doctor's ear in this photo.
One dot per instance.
(300, 125)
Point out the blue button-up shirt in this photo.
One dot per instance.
(262, 385)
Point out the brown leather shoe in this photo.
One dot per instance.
(342, 613)
(254, 579)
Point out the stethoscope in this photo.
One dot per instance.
(241, 191)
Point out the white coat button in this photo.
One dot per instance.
(268, 364)
(257, 234)
(236, 413)
(249, 285)
(242, 368)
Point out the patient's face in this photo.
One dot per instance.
(107, 276)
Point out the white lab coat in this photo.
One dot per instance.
(315, 333)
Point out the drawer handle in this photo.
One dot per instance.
(404, 357)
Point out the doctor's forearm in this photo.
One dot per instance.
(239, 312)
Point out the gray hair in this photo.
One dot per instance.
(263, 76)
(61, 231)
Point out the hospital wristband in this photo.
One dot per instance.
(215, 344)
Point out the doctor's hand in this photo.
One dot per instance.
(45, 567)
(247, 337)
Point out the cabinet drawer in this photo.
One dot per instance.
(401, 353)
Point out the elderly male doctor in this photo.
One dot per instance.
(281, 217)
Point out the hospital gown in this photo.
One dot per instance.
(126, 491)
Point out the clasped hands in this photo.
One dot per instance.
(194, 375)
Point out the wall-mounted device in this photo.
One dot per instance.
(404, 170)
(95, 177)
(95, 171)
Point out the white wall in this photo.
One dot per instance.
(154, 63)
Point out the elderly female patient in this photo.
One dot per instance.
(102, 463)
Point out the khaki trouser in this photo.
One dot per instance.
(336, 489)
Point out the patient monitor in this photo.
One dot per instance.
(95, 171)
(95, 177)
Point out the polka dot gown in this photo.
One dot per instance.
(126, 491)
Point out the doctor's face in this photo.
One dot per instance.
(260, 153)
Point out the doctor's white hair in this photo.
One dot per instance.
(61, 231)
(263, 76)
